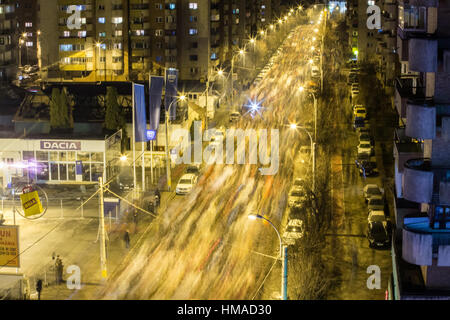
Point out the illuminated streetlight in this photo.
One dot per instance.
(282, 256)
(310, 61)
(301, 89)
(271, 26)
(316, 30)
(220, 72)
(123, 158)
(293, 126)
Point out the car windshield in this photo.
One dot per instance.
(375, 202)
(378, 217)
(296, 194)
(293, 229)
(297, 182)
(305, 150)
(192, 170)
(185, 181)
(360, 111)
(373, 190)
(364, 145)
(378, 231)
(364, 137)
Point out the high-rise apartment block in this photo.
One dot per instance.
(130, 39)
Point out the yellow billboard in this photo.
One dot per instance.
(9, 246)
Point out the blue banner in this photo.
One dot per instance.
(140, 116)
(78, 167)
(155, 93)
(151, 135)
(171, 92)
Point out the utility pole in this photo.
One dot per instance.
(232, 91)
(102, 231)
(284, 279)
(143, 166)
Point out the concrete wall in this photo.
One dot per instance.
(417, 248)
(422, 55)
(421, 122)
(417, 185)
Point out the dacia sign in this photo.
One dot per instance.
(60, 145)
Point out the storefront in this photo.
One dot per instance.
(55, 161)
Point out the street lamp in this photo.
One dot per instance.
(283, 255)
(242, 53)
(166, 116)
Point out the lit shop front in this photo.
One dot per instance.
(55, 161)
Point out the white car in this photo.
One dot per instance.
(296, 197)
(364, 148)
(305, 154)
(355, 92)
(299, 183)
(186, 183)
(372, 190)
(376, 215)
(293, 231)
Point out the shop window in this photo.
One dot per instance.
(42, 170)
(70, 155)
(54, 156)
(62, 171)
(97, 171)
(54, 171)
(63, 156)
(97, 156)
(42, 155)
(86, 172)
(83, 156)
(28, 155)
(71, 171)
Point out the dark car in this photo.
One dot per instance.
(378, 234)
(151, 201)
(193, 168)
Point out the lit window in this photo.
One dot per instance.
(82, 34)
(101, 19)
(193, 31)
(171, 6)
(118, 33)
(29, 43)
(28, 24)
(371, 2)
(65, 47)
(158, 6)
(117, 20)
(118, 46)
(140, 32)
(29, 34)
(192, 18)
(102, 34)
(193, 5)
(66, 34)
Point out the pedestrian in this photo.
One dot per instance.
(58, 269)
(126, 238)
(158, 197)
(39, 288)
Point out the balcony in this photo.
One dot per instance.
(404, 90)
(423, 244)
(421, 120)
(426, 183)
(422, 54)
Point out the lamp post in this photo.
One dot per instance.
(241, 52)
(283, 255)
(169, 176)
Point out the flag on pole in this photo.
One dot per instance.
(155, 93)
(171, 92)
(140, 116)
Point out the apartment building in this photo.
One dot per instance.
(386, 45)
(362, 40)
(8, 39)
(26, 24)
(123, 40)
(421, 242)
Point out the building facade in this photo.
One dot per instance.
(421, 250)
(122, 40)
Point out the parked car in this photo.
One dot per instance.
(378, 233)
(360, 113)
(366, 138)
(375, 203)
(296, 197)
(355, 92)
(372, 190)
(299, 183)
(293, 231)
(234, 116)
(193, 168)
(376, 215)
(186, 183)
(364, 148)
(315, 73)
(305, 154)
